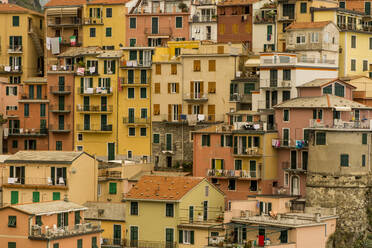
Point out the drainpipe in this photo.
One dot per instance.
(117, 110)
(182, 83)
(345, 52)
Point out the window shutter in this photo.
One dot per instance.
(208, 140)
(10, 61)
(179, 111)
(180, 237)
(99, 82)
(189, 111)
(222, 140)
(158, 69)
(192, 237)
(65, 223)
(15, 90)
(201, 88)
(113, 66)
(90, 82)
(7, 91)
(211, 87)
(177, 88)
(269, 206)
(157, 88)
(212, 65)
(201, 109)
(169, 88)
(108, 83)
(213, 164)
(105, 67)
(191, 89)
(59, 220)
(156, 109)
(169, 112)
(261, 207)
(11, 171)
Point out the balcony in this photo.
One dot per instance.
(94, 109)
(294, 167)
(60, 109)
(203, 18)
(240, 174)
(160, 32)
(195, 97)
(275, 83)
(339, 124)
(108, 175)
(136, 121)
(66, 128)
(267, 19)
(60, 68)
(82, 71)
(10, 69)
(242, 98)
(92, 21)
(94, 128)
(247, 152)
(95, 91)
(60, 90)
(32, 132)
(33, 97)
(152, 244)
(290, 143)
(124, 82)
(34, 181)
(64, 22)
(51, 233)
(15, 49)
(192, 119)
(135, 63)
(109, 243)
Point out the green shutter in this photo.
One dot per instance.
(56, 245)
(344, 160)
(94, 242)
(65, 219)
(113, 66)
(112, 188)
(180, 237)
(156, 138)
(12, 245)
(59, 220)
(79, 243)
(105, 66)
(208, 140)
(38, 220)
(222, 140)
(192, 237)
(364, 139)
(35, 196)
(13, 197)
(77, 217)
(56, 196)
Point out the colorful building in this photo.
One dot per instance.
(40, 176)
(203, 20)
(153, 23)
(54, 224)
(111, 218)
(183, 208)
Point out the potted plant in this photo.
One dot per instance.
(183, 7)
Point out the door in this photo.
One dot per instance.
(197, 90)
(131, 115)
(274, 98)
(169, 237)
(293, 160)
(61, 103)
(261, 237)
(168, 142)
(86, 122)
(154, 25)
(61, 122)
(134, 236)
(104, 123)
(205, 210)
(270, 122)
(305, 156)
(273, 78)
(191, 214)
(117, 234)
(295, 185)
(111, 151)
(253, 168)
(43, 126)
(104, 103)
(61, 84)
(143, 76)
(38, 91)
(285, 137)
(86, 103)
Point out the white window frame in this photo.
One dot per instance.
(109, 66)
(286, 179)
(173, 88)
(186, 237)
(302, 39)
(314, 37)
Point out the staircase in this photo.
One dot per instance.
(36, 39)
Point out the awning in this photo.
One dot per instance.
(62, 11)
(342, 108)
(252, 62)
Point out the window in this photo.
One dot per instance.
(158, 69)
(286, 95)
(92, 32)
(108, 12)
(173, 88)
(56, 196)
(197, 65)
(134, 208)
(143, 131)
(130, 93)
(365, 65)
(370, 43)
(327, 89)
(303, 8)
(178, 21)
(174, 69)
(42, 110)
(353, 65)
(38, 220)
(35, 196)
(177, 51)
(12, 245)
(156, 138)
(238, 164)
(300, 39)
(206, 140)
(108, 32)
(344, 160)
(15, 144)
(132, 131)
(12, 221)
(169, 210)
(256, 141)
(353, 41)
(112, 188)
(286, 115)
(211, 65)
(206, 191)
(94, 242)
(363, 160)
(283, 236)
(80, 137)
(79, 243)
(56, 245)
(364, 139)
(342, 5)
(318, 114)
(314, 37)
(59, 145)
(232, 184)
(286, 179)
(132, 42)
(27, 110)
(143, 92)
(132, 22)
(186, 237)
(253, 187)
(15, 21)
(286, 74)
(320, 138)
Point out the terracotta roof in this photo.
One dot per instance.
(162, 188)
(308, 25)
(322, 82)
(236, 2)
(108, 2)
(13, 8)
(55, 3)
(325, 101)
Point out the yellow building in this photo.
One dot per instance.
(183, 208)
(135, 104)
(21, 45)
(111, 217)
(39, 176)
(355, 57)
(104, 23)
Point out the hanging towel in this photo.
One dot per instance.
(73, 40)
(48, 43)
(92, 70)
(7, 68)
(55, 45)
(201, 117)
(80, 71)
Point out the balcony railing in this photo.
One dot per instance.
(38, 232)
(294, 167)
(49, 181)
(60, 89)
(109, 174)
(113, 242)
(56, 108)
(290, 143)
(130, 120)
(95, 91)
(339, 124)
(61, 68)
(54, 128)
(94, 128)
(244, 98)
(10, 69)
(135, 63)
(152, 244)
(27, 132)
(136, 81)
(94, 108)
(246, 174)
(192, 119)
(73, 21)
(195, 97)
(15, 49)
(249, 152)
(159, 31)
(92, 21)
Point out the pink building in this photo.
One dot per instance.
(153, 23)
(322, 103)
(47, 224)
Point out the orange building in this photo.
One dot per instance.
(49, 224)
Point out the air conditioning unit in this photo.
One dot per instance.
(288, 204)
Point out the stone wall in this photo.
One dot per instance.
(350, 195)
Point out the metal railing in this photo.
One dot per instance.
(109, 174)
(237, 97)
(287, 165)
(196, 96)
(94, 108)
(129, 120)
(290, 143)
(150, 244)
(60, 89)
(96, 91)
(159, 31)
(135, 63)
(61, 181)
(92, 20)
(64, 21)
(254, 151)
(135, 81)
(59, 128)
(10, 69)
(15, 49)
(59, 108)
(58, 232)
(94, 128)
(113, 242)
(339, 124)
(65, 68)
(233, 173)
(27, 131)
